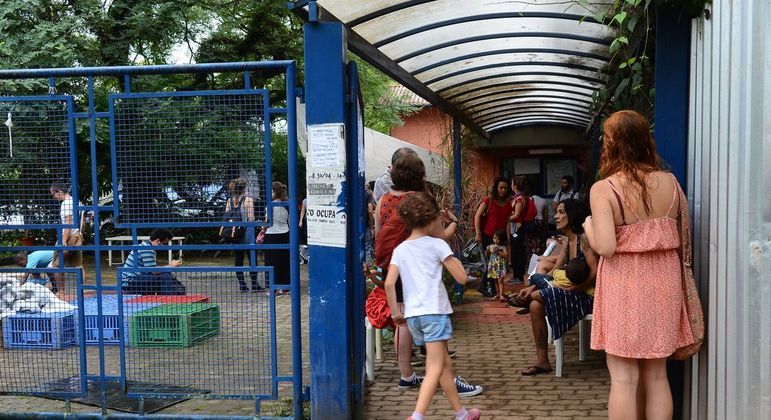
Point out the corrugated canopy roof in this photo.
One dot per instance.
(494, 63)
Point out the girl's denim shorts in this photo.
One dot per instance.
(429, 328)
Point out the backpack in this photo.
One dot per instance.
(530, 211)
(233, 234)
(528, 217)
(392, 233)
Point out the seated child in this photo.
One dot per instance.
(575, 272)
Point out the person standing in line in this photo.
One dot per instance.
(278, 233)
(541, 207)
(496, 261)
(70, 236)
(523, 225)
(493, 212)
(418, 261)
(383, 183)
(639, 308)
(371, 205)
(409, 175)
(303, 231)
(566, 191)
(245, 206)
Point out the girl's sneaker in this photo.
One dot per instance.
(473, 414)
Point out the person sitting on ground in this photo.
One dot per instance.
(418, 261)
(36, 259)
(150, 283)
(564, 305)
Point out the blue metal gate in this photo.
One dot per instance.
(194, 331)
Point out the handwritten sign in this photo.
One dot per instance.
(326, 145)
(326, 183)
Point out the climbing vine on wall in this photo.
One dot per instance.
(630, 70)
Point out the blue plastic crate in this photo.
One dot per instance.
(110, 330)
(55, 330)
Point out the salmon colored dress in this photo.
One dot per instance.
(639, 305)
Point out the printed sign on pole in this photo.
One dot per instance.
(326, 183)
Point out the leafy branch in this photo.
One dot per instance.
(630, 69)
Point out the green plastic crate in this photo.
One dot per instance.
(174, 325)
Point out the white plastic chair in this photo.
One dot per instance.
(584, 334)
(374, 344)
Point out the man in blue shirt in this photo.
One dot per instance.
(37, 259)
(150, 283)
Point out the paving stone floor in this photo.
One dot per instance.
(493, 346)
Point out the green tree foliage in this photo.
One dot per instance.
(73, 33)
(631, 68)
(383, 108)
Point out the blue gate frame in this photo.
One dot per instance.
(125, 73)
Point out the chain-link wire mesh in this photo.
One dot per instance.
(176, 155)
(39, 352)
(210, 332)
(35, 150)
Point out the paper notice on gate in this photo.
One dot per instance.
(326, 183)
(326, 226)
(326, 146)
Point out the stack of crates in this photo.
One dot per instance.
(110, 325)
(52, 331)
(174, 325)
(163, 299)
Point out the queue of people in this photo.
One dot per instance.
(630, 228)
(620, 259)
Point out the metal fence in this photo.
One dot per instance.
(145, 330)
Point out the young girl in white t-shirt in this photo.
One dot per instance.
(418, 261)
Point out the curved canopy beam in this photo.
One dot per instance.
(529, 94)
(481, 116)
(490, 63)
(513, 122)
(484, 90)
(526, 123)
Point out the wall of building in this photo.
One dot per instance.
(427, 128)
(729, 180)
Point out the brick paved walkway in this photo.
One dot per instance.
(494, 345)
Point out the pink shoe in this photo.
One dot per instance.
(473, 414)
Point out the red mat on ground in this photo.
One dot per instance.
(170, 299)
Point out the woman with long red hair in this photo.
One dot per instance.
(639, 306)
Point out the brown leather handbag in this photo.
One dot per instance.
(690, 291)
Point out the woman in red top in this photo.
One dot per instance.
(495, 209)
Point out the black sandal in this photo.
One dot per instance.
(517, 302)
(535, 370)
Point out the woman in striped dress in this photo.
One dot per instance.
(564, 306)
